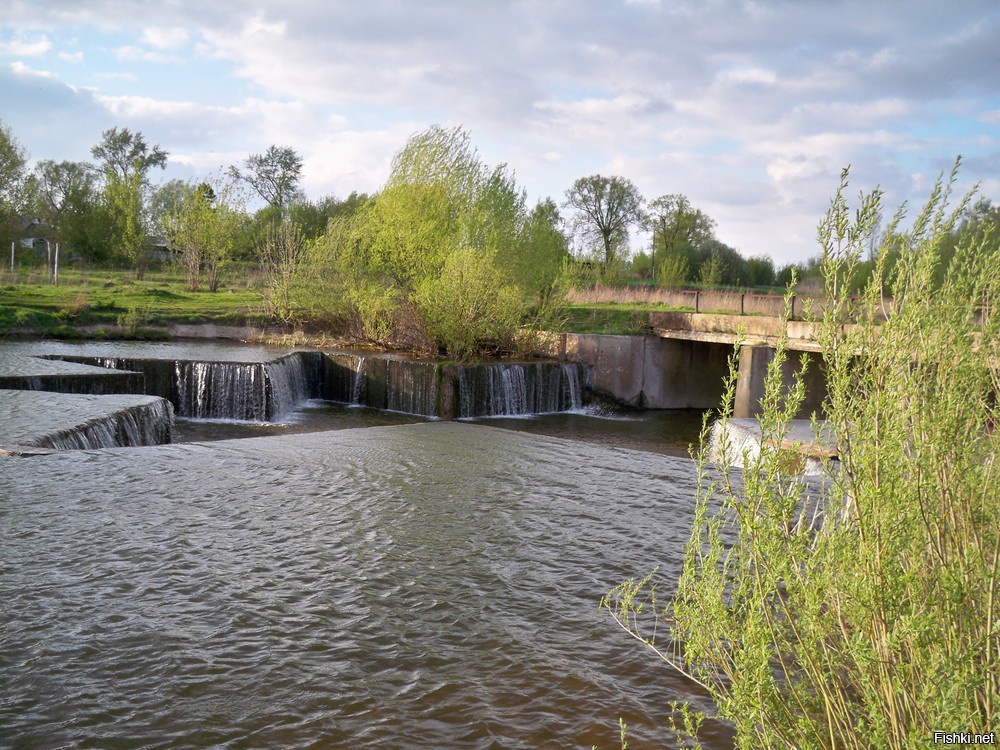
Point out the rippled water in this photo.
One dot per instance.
(429, 585)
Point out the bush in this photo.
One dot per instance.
(469, 307)
(861, 610)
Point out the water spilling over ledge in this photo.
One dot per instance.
(258, 385)
(32, 419)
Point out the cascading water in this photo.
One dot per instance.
(222, 390)
(288, 385)
(134, 426)
(517, 388)
(267, 391)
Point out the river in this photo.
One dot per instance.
(424, 585)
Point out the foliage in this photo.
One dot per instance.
(678, 230)
(283, 258)
(122, 154)
(605, 209)
(126, 219)
(859, 610)
(67, 200)
(672, 271)
(203, 228)
(712, 271)
(443, 220)
(273, 175)
(13, 174)
(469, 307)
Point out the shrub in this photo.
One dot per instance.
(861, 610)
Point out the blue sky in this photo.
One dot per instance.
(750, 109)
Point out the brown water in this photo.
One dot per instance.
(429, 585)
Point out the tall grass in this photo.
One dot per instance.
(861, 611)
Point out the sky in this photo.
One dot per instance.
(751, 109)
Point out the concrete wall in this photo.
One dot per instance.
(754, 361)
(650, 372)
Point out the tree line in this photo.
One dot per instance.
(446, 257)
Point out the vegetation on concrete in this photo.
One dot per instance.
(860, 611)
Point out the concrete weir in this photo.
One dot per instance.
(32, 420)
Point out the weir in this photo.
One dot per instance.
(512, 389)
(267, 391)
(59, 421)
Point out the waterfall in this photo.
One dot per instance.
(518, 388)
(221, 390)
(143, 424)
(358, 386)
(288, 383)
(411, 387)
(267, 391)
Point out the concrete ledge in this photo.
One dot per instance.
(33, 420)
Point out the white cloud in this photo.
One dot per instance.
(21, 47)
(165, 38)
(20, 69)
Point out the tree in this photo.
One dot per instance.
(126, 219)
(444, 227)
(676, 224)
(13, 177)
(204, 227)
(606, 207)
(273, 175)
(124, 154)
(125, 160)
(858, 609)
(68, 200)
(760, 271)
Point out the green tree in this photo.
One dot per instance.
(673, 271)
(711, 272)
(125, 160)
(68, 200)
(858, 610)
(204, 228)
(124, 154)
(678, 228)
(760, 271)
(606, 207)
(273, 175)
(13, 179)
(126, 220)
(442, 219)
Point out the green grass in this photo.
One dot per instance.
(98, 303)
(112, 298)
(611, 318)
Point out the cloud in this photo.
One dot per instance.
(749, 108)
(165, 38)
(21, 47)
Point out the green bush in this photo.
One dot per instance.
(469, 307)
(860, 611)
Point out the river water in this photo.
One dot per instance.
(422, 585)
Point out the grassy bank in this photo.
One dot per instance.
(113, 299)
(97, 303)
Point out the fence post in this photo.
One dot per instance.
(743, 306)
(697, 299)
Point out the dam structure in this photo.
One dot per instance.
(247, 384)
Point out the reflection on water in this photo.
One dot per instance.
(427, 585)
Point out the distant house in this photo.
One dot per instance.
(32, 232)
